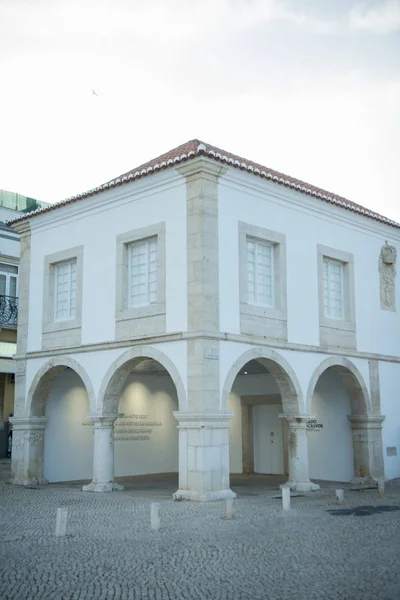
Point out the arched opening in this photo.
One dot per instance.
(141, 390)
(336, 392)
(62, 393)
(259, 388)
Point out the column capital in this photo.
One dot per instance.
(197, 420)
(296, 421)
(28, 423)
(366, 421)
(105, 419)
(202, 166)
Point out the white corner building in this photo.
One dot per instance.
(205, 315)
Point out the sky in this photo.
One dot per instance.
(310, 88)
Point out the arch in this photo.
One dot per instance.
(119, 370)
(352, 380)
(40, 386)
(289, 387)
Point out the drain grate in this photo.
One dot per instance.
(362, 511)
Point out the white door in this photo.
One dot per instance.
(268, 439)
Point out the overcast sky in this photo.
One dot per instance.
(307, 87)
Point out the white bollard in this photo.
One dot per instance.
(61, 522)
(339, 496)
(381, 488)
(155, 516)
(229, 509)
(286, 498)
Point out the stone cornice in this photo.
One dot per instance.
(221, 337)
(23, 228)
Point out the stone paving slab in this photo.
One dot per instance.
(262, 553)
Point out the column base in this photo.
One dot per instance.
(364, 481)
(28, 481)
(110, 486)
(203, 496)
(301, 486)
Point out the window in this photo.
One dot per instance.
(260, 272)
(142, 272)
(62, 299)
(140, 285)
(65, 290)
(337, 323)
(262, 282)
(333, 289)
(8, 280)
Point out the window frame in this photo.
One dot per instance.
(333, 331)
(56, 271)
(259, 320)
(148, 318)
(51, 327)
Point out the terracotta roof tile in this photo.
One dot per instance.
(195, 148)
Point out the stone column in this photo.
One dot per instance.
(247, 439)
(203, 427)
(367, 448)
(203, 456)
(28, 450)
(103, 454)
(299, 478)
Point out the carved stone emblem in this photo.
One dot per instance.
(387, 271)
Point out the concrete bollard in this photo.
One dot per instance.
(61, 522)
(154, 516)
(286, 498)
(229, 509)
(381, 488)
(339, 495)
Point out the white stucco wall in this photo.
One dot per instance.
(306, 222)
(153, 397)
(389, 375)
(68, 446)
(112, 213)
(68, 453)
(330, 448)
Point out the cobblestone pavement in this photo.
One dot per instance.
(110, 552)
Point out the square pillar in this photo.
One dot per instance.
(203, 456)
(103, 454)
(28, 450)
(367, 448)
(299, 477)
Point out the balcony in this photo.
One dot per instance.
(8, 311)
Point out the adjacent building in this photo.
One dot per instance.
(11, 205)
(205, 315)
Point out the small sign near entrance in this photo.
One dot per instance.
(313, 425)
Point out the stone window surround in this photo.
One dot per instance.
(122, 312)
(49, 325)
(329, 328)
(276, 316)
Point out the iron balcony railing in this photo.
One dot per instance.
(8, 310)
